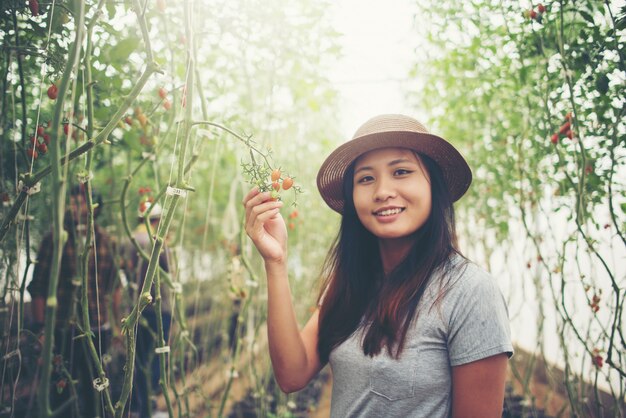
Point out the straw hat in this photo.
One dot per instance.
(392, 131)
(155, 212)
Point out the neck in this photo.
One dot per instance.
(393, 251)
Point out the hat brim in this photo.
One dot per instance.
(456, 172)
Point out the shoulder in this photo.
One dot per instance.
(476, 316)
(468, 291)
(462, 277)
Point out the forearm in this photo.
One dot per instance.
(287, 349)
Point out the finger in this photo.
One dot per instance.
(253, 213)
(257, 229)
(258, 200)
(266, 216)
(253, 192)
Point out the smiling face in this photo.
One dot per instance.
(392, 193)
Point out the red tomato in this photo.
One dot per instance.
(287, 183)
(53, 92)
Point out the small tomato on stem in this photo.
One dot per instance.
(554, 139)
(53, 92)
(287, 183)
(33, 5)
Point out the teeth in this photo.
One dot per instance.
(389, 212)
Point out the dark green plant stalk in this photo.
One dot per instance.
(161, 343)
(126, 224)
(565, 317)
(31, 179)
(241, 314)
(129, 323)
(90, 245)
(58, 209)
(580, 218)
(20, 70)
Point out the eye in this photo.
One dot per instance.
(365, 179)
(402, 172)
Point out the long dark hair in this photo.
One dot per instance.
(355, 291)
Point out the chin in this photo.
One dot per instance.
(392, 234)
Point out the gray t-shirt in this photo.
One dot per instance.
(469, 323)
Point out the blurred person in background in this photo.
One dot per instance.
(147, 369)
(70, 334)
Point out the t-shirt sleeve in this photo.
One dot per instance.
(479, 322)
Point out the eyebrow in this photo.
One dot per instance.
(391, 163)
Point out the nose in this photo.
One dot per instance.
(384, 190)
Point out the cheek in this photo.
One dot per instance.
(428, 204)
(359, 203)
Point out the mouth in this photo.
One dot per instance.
(388, 211)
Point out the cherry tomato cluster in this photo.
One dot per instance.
(141, 117)
(60, 385)
(167, 105)
(145, 200)
(564, 130)
(39, 142)
(145, 203)
(74, 128)
(292, 217)
(535, 14)
(5, 198)
(596, 358)
(147, 137)
(278, 183)
(595, 303)
(267, 178)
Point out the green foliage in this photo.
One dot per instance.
(260, 74)
(502, 86)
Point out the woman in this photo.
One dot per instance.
(409, 326)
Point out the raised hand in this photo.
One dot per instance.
(265, 225)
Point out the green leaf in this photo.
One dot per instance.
(123, 49)
(587, 17)
(602, 84)
(110, 9)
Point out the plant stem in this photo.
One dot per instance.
(58, 209)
